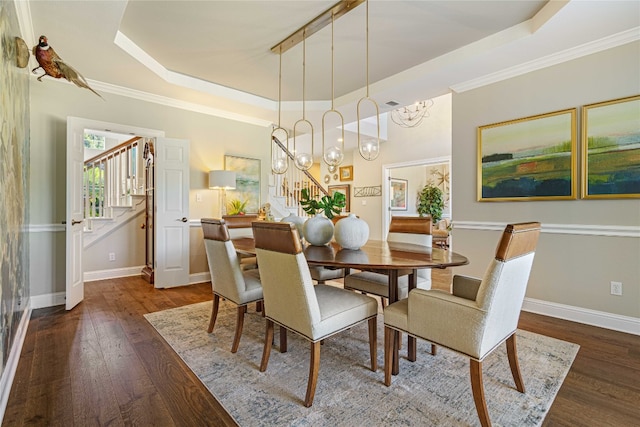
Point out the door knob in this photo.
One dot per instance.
(183, 219)
(74, 222)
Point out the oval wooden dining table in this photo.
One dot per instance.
(391, 258)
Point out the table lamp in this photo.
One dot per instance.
(222, 181)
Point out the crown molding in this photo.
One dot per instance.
(576, 229)
(596, 46)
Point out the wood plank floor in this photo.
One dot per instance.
(103, 364)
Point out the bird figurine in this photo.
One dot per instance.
(54, 66)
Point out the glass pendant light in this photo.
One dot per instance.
(303, 160)
(333, 155)
(369, 148)
(279, 158)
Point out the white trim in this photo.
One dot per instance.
(43, 228)
(577, 229)
(48, 300)
(630, 325)
(90, 276)
(596, 46)
(199, 277)
(11, 366)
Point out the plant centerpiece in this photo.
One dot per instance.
(329, 205)
(237, 207)
(318, 230)
(430, 202)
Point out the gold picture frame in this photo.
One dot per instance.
(344, 189)
(532, 158)
(346, 173)
(611, 149)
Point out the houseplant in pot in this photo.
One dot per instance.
(430, 202)
(318, 230)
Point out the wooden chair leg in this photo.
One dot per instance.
(373, 343)
(259, 306)
(283, 339)
(214, 312)
(268, 337)
(314, 367)
(397, 337)
(513, 363)
(434, 349)
(478, 393)
(411, 348)
(239, 324)
(389, 346)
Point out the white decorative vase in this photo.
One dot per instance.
(298, 221)
(351, 232)
(318, 230)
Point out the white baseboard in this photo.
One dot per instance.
(199, 277)
(48, 300)
(630, 325)
(90, 276)
(12, 362)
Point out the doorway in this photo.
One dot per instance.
(413, 175)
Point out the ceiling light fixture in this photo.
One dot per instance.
(412, 115)
(370, 148)
(303, 160)
(279, 158)
(334, 155)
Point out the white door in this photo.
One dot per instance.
(172, 212)
(75, 215)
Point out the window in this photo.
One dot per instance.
(94, 141)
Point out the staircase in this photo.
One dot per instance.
(113, 189)
(285, 193)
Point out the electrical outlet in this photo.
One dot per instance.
(198, 197)
(616, 288)
(112, 256)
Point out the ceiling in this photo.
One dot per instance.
(215, 57)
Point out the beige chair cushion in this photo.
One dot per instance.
(322, 274)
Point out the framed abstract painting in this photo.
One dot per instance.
(611, 149)
(398, 194)
(247, 181)
(532, 158)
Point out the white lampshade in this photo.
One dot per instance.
(222, 180)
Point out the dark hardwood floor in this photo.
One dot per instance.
(103, 364)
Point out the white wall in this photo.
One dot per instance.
(211, 138)
(570, 269)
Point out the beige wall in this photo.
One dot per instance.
(570, 268)
(211, 138)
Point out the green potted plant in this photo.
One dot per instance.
(237, 207)
(329, 205)
(430, 202)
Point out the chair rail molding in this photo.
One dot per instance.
(578, 229)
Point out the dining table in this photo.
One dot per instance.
(395, 259)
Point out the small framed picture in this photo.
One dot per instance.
(346, 173)
(398, 194)
(344, 189)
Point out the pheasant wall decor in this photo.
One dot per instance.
(54, 66)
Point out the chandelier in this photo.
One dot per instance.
(412, 115)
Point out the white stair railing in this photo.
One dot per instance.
(111, 178)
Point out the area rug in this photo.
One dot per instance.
(431, 391)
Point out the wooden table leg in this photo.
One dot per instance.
(411, 341)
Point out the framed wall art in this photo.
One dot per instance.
(346, 173)
(247, 181)
(398, 194)
(533, 158)
(344, 189)
(611, 149)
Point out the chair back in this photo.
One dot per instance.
(289, 297)
(504, 284)
(414, 230)
(224, 265)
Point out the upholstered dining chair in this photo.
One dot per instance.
(476, 318)
(293, 302)
(228, 279)
(402, 229)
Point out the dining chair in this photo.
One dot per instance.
(228, 279)
(240, 226)
(291, 300)
(476, 318)
(402, 229)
